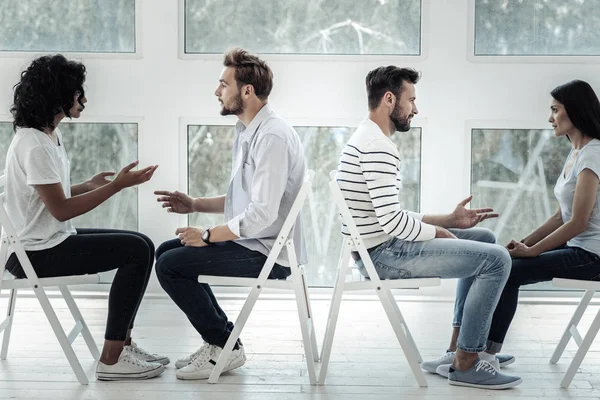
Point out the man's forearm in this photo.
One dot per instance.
(444, 221)
(211, 205)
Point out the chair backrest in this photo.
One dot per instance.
(10, 238)
(347, 219)
(297, 205)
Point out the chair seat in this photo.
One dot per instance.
(56, 281)
(413, 283)
(576, 284)
(244, 282)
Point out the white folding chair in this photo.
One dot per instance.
(571, 331)
(10, 238)
(296, 283)
(381, 287)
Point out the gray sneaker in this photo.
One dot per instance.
(505, 359)
(431, 366)
(444, 370)
(482, 375)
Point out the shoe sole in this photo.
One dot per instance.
(226, 369)
(164, 361)
(493, 387)
(507, 362)
(107, 376)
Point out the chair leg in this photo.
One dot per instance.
(334, 311)
(581, 352)
(313, 337)
(10, 312)
(395, 317)
(60, 335)
(404, 325)
(564, 340)
(235, 334)
(304, 318)
(76, 313)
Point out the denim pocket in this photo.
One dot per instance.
(387, 272)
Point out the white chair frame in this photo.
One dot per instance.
(571, 331)
(381, 287)
(10, 238)
(296, 283)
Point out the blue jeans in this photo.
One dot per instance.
(474, 256)
(178, 267)
(562, 262)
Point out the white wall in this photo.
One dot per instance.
(160, 88)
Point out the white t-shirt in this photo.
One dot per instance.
(588, 158)
(34, 159)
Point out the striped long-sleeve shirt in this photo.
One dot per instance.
(369, 177)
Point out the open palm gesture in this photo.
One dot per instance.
(463, 218)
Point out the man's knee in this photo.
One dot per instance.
(500, 261)
(487, 236)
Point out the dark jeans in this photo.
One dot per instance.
(178, 267)
(100, 250)
(562, 262)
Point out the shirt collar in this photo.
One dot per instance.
(246, 132)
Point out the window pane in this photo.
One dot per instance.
(94, 148)
(538, 28)
(304, 27)
(93, 26)
(209, 158)
(514, 171)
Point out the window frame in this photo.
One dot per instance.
(517, 59)
(137, 41)
(275, 57)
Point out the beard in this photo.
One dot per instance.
(236, 107)
(402, 124)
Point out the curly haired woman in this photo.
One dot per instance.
(41, 202)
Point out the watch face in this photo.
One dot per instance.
(205, 235)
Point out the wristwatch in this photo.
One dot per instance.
(206, 237)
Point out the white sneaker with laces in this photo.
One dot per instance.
(144, 355)
(203, 364)
(182, 362)
(128, 367)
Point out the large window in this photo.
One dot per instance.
(537, 28)
(304, 27)
(93, 148)
(514, 171)
(209, 157)
(90, 26)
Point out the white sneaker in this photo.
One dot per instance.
(444, 370)
(431, 366)
(203, 364)
(144, 355)
(128, 367)
(182, 362)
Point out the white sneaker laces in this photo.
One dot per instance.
(129, 358)
(486, 366)
(204, 354)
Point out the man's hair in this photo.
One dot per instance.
(582, 106)
(388, 79)
(46, 88)
(250, 70)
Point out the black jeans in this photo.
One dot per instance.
(562, 262)
(178, 267)
(100, 250)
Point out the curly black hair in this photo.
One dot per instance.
(46, 89)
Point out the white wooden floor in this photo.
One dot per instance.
(367, 362)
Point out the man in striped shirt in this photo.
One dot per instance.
(406, 244)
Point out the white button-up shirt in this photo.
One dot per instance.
(268, 168)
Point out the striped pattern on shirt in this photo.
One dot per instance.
(369, 177)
